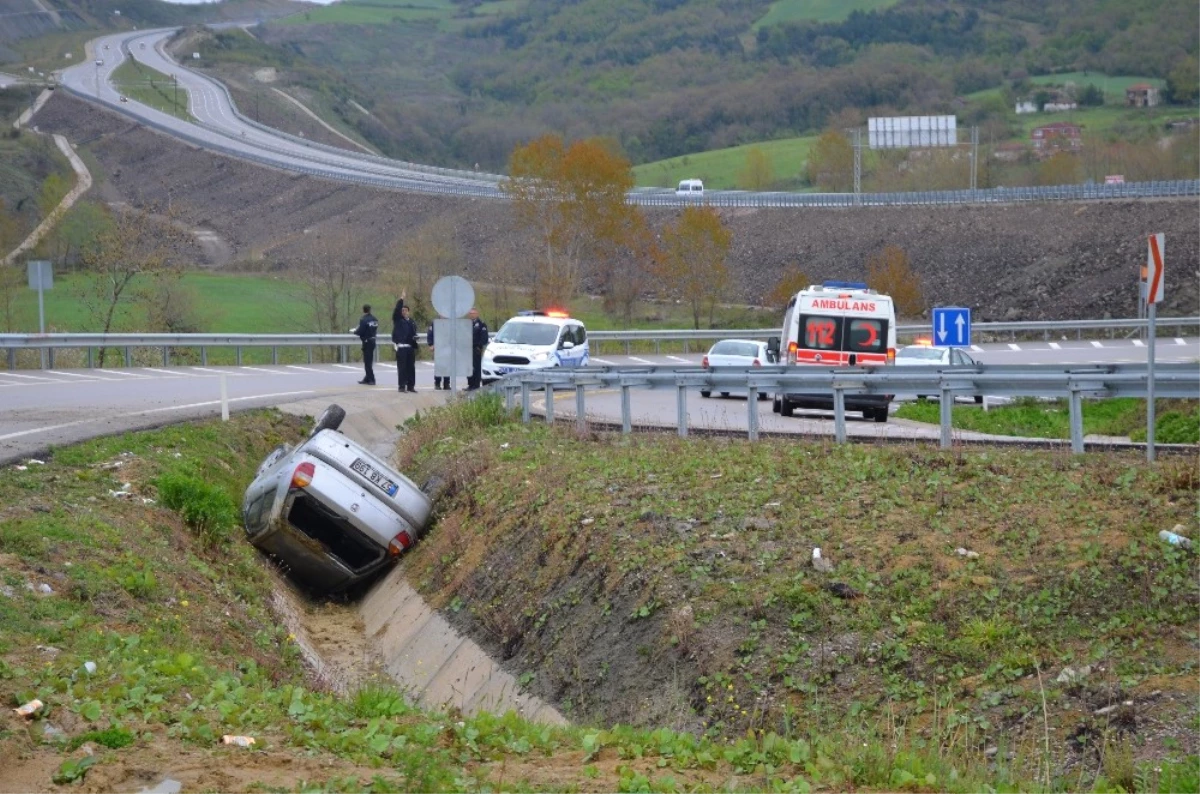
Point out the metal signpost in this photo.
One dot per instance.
(951, 326)
(1154, 294)
(41, 278)
(452, 297)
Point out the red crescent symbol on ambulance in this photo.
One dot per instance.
(873, 336)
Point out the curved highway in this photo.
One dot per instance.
(64, 406)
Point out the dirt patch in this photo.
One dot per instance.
(1015, 262)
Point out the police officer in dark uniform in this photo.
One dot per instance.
(442, 382)
(404, 338)
(368, 326)
(479, 340)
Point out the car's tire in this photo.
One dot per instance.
(762, 395)
(724, 394)
(705, 394)
(785, 407)
(330, 419)
(880, 415)
(775, 406)
(979, 399)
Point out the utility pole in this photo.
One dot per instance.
(175, 81)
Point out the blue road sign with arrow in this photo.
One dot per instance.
(951, 326)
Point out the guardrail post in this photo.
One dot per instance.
(839, 414)
(203, 356)
(12, 358)
(237, 355)
(626, 347)
(274, 355)
(549, 389)
(508, 396)
(580, 410)
(657, 347)
(128, 357)
(50, 355)
(752, 412)
(681, 410)
(946, 403)
(525, 402)
(626, 414)
(91, 363)
(1076, 406)
(309, 348)
(166, 356)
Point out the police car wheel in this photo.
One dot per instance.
(881, 415)
(775, 406)
(979, 399)
(724, 394)
(785, 407)
(706, 394)
(762, 395)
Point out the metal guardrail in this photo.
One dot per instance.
(91, 342)
(1046, 381)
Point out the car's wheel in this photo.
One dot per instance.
(705, 394)
(330, 419)
(785, 407)
(775, 406)
(880, 415)
(762, 395)
(979, 399)
(724, 394)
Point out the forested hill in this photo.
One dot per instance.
(463, 80)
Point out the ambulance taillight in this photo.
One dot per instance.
(891, 355)
(791, 356)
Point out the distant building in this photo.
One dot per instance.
(1059, 136)
(1010, 152)
(1026, 106)
(1053, 107)
(1141, 95)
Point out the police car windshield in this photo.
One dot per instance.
(520, 332)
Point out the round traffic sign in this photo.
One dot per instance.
(453, 296)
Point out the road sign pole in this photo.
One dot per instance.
(41, 317)
(1155, 265)
(1151, 311)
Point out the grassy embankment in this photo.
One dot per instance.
(788, 687)
(151, 87)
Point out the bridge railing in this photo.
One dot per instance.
(1043, 381)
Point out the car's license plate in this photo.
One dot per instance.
(375, 476)
(504, 370)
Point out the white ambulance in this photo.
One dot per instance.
(838, 324)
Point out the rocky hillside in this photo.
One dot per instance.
(1045, 261)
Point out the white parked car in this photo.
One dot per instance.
(926, 355)
(737, 353)
(329, 511)
(535, 340)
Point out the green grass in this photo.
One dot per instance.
(720, 168)
(374, 12)
(152, 88)
(817, 10)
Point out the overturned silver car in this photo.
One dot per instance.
(331, 512)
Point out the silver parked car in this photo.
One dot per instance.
(737, 353)
(924, 354)
(331, 512)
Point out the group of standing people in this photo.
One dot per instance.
(404, 340)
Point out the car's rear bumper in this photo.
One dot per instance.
(853, 402)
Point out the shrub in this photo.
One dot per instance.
(206, 509)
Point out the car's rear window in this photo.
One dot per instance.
(818, 332)
(853, 334)
(748, 349)
(922, 353)
(867, 336)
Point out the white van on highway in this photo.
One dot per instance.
(690, 188)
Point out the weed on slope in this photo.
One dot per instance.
(1015, 606)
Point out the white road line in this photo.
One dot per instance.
(305, 369)
(677, 358)
(1013, 346)
(125, 373)
(48, 428)
(81, 376)
(1138, 343)
(177, 372)
(1179, 341)
(1055, 346)
(603, 361)
(266, 371)
(30, 377)
(426, 363)
(1096, 344)
(977, 348)
(219, 372)
(346, 366)
(640, 360)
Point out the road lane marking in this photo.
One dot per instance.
(677, 358)
(30, 377)
(640, 360)
(306, 369)
(219, 372)
(1179, 341)
(346, 366)
(1055, 346)
(977, 349)
(603, 361)
(177, 372)
(265, 371)
(82, 376)
(1138, 343)
(1096, 344)
(48, 428)
(125, 374)
(1013, 346)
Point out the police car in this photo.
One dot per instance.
(535, 340)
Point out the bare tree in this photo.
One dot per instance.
(329, 283)
(415, 263)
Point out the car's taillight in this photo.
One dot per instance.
(704, 361)
(756, 363)
(399, 543)
(302, 477)
(891, 356)
(792, 347)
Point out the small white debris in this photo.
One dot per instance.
(773, 504)
(970, 555)
(49, 650)
(146, 500)
(90, 667)
(588, 521)
(178, 455)
(21, 468)
(716, 476)
(240, 741)
(1106, 710)
(36, 462)
(504, 445)
(28, 708)
(45, 589)
(820, 563)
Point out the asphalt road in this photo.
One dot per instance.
(44, 408)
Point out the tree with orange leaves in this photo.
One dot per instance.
(890, 273)
(693, 259)
(573, 197)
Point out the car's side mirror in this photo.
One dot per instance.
(773, 347)
(567, 345)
